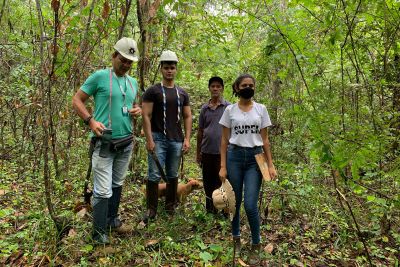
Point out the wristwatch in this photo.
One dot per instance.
(87, 120)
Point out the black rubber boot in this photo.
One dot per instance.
(113, 206)
(151, 201)
(100, 211)
(171, 198)
(113, 222)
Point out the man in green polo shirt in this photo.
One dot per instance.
(115, 94)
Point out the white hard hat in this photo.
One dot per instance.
(168, 55)
(127, 47)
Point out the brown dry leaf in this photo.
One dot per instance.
(141, 225)
(54, 49)
(151, 242)
(100, 251)
(153, 9)
(23, 226)
(123, 10)
(68, 186)
(103, 261)
(242, 263)
(269, 248)
(15, 259)
(3, 192)
(72, 232)
(46, 259)
(55, 4)
(106, 10)
(142, 2)
(80, 214)
(15, 186)
(18, 214)
(64, 115)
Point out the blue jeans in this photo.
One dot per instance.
(109, 172)
(169, 154)
(243, 173)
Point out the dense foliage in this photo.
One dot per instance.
(328, 72)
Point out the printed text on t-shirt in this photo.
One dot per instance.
(245, 129)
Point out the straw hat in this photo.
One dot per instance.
(224, 198)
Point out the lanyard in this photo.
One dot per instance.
(122, 92)
(120, 87)
(178, 100)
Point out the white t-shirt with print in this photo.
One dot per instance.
(245, 126)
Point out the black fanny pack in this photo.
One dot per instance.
(121, 143)
(112, 145)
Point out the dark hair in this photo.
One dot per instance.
(215, 79)
(238, 80)
(168, 63)
(115, 54)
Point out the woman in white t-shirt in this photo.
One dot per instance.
(244, 135)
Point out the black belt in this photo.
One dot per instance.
(236, 146)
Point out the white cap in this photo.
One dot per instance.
(168, 55)
(127, 47)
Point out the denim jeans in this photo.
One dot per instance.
(169, 154)
(109, 172)
(245, 176)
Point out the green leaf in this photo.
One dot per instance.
(358, 189)
(380, 201)
(24, 45)
(5, 212)
(300, 57)
(205, 256)
(87, 248)
(201, 245)
(216, 248)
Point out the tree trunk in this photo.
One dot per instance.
(2, 10)
(122, 27)
(395, 124)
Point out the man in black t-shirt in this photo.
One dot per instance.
(165, 106)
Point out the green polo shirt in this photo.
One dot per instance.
(98, 86)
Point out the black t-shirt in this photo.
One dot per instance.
(154, 95)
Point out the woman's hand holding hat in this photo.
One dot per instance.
(224, 198)
(222, 174)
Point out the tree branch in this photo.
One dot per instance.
(357, 227)
(61, 224)
(2, 10)
(121, 29)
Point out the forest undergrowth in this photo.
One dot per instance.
(302, 225)
(326, 70)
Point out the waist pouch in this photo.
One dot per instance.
(121, 143)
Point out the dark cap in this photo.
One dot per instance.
(215, 79)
